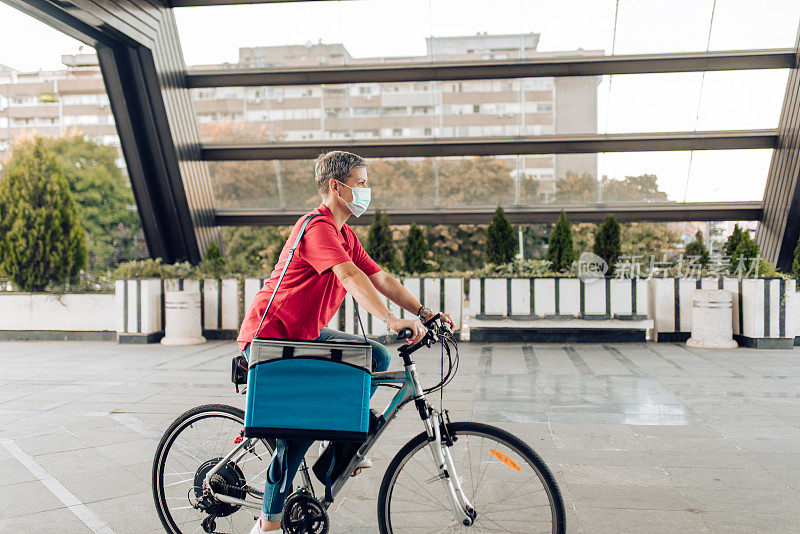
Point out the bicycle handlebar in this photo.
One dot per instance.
(406, 333)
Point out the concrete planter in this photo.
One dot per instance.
(793, 314)
(46, 316)
(140, 310)
(764, 310)
(557, 309)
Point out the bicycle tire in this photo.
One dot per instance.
(169, 437)
(461, 428)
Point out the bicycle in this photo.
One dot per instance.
(481, 470)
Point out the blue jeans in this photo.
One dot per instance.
(272, 509)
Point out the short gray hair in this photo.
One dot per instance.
(336, 165)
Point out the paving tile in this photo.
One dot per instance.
(61, 518)
(608, 496)
(58, 464)
(780, 502)
(130, 514)
(727, 523)
(616, 475)
(101, 484)
(722, 477)
(26, 498)
(13, 472)
(654, 521)
(128, 453)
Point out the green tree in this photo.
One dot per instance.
(560, 251)
(500, 243)
(648, 239)
(213, 263)
(698, 248)
(475, 181)
(796, 262)
(607, 242)
(458, 247)
(576, 188)
(41, 239)
(733, 240)
(642, 188)
(415, 252)
(103, 198)
(379, 242)
(746, 251)
(253, 250)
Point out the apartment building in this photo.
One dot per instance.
(49, 102)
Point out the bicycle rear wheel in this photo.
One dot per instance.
(508, 484)
(195, 442)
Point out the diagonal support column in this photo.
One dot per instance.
(779, 228)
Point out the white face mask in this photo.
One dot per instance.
(361, 198)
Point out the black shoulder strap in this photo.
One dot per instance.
(286, 266)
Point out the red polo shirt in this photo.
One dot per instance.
(310, 293)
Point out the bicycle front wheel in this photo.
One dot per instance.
(509, 486)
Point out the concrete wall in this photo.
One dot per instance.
(91, 312)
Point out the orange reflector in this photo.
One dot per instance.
(505, 459)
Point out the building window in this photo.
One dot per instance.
(365, 112)
(421, 110)
(335, 113)
(397, 132)
(476, 108)
(395, 110)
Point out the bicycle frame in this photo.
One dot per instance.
(410, 389)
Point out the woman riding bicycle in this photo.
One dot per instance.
(328, 263)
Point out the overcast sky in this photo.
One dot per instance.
(631, 103)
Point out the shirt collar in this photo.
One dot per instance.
(325, 211)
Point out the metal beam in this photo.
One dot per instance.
(661, 212)
(481, 70)
(203, 3)
(498, 146)
(779, 229)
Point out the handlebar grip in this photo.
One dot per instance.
(405, 333)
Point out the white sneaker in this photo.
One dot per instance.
(257, 529)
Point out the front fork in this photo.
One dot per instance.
(462, 507)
